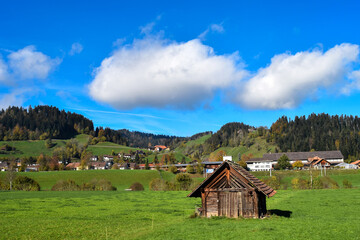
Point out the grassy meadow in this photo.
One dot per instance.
(314, 214)
(121, 179)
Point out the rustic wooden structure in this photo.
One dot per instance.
(232, 191)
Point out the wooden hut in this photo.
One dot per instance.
(232, 191)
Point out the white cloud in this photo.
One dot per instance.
(155, 73)
(15, 98)
(76, 48)
(4, 74)
(217, 28)
(354, 83)
(27, 63)
(290, 79)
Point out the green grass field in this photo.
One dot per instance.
(121, 179)
(315, 214)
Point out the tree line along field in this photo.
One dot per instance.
(302, 214)
(121, 179)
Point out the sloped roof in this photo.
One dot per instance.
(304, 155)
(356, 162)
(251, 180)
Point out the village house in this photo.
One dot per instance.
(159, 148)
(108, 158)
(318, 163)
(32, 168)
(270, 159)
(94, 158)
(233, 192)
(98, 165)
(209, 167)
(346, 166)
(259, 164)
(356, 163)
(4, 166)
(73, 166)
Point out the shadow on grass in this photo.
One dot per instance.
(280, 213)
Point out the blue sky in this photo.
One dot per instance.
(180, 69)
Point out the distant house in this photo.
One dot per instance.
(319, 163)
(94, 158)
(98, 165)
(209, 167)
(259, 164)
(346, 166)
(159, 148)
(233, 192)
(4, 166)
(107, 158)
(74, 166)
(32, 168)
(151, 166)
(357, 163)
(333, 157)
(129, 166)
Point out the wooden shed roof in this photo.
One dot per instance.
(250, 180)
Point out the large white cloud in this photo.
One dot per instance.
(4, 75)
(290, 79)
(154, 73)
(27, 63)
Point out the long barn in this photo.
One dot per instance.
(232, 191)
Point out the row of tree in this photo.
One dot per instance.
(320, 132)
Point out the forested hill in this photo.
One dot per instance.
(319, 132)
(41, 122)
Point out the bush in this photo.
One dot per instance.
(347, 183)
(273, 182)
(137, 187)
(98, 185)
(68, 185)
(156, 184)
(325, 182)
(173, 169)
(300, 183)
(183, 181)
(104, 185)
(190, 169)
(24, 183)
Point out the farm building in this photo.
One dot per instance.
(232, 191)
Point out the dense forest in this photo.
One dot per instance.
(41, 122)
(320, 132)
(44, 122)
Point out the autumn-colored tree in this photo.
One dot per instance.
(247, 157)
(298, 164)
(217, 156)
(43, 163)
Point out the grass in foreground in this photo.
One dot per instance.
(315, 214)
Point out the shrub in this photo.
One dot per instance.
(325, 182)
(183, 181)
(173, 169)
(137, 187)
(347, 183)
(190, 169)
(105, 185)
(273, 182)
(63, 185)
(26, 184)
(300, 183)
(156, 184)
